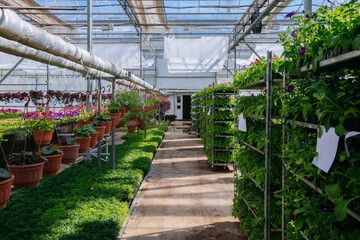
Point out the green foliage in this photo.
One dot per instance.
(84, 131)
(81, 202)
(50, 150)
(4, 174)
(26, 158)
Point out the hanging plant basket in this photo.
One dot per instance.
(43, 137)
(5, 191)
(135, 110)
(107, 127)
(84, 144)
(114, 121)
(123, 111)
(101, 130)
(94, 139)
(27, 176)
(52, 166)
(117, 115)
(121, 124)
(131, 129)
(142, 126)
(71, 153)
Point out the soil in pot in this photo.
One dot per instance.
(101, 130)
(43, 137)
(71, 153)
(5, 191)
(27, 176)
(84, 144)
(94, 139)
(52, 166)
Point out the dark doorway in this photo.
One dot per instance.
(186, 107)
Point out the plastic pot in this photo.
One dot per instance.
(27, 176)
(84, 144)
(52, 166)
(5, 191)
(43, 137)
(94, 139)
(107, 127)
(71, 153)
(101, 130)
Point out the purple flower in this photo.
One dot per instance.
(326, 7)
(291, 138)
(302, 51)
(290, 88)
(293, 33)
(290, 14)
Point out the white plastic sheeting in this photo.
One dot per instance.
(190, 55)
(124, 55)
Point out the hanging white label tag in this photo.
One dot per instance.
(326, 147)
(349, 135)
(242, 123)
(209, 111)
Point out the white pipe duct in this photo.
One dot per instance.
(12, 27)
(20, 50)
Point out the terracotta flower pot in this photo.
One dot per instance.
(5, 191)
(121, 124)
(101, 130)
(142, 126)
(107, 127)
(117, 115)
(94, 139)
(123, 111)
(84, 144)
(114, 121)
(43, 137)
(83, 123)
(27, 176)
(52, 166)
(71, 153)
(131, 129)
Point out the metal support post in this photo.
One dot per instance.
(145, 133)
(99, 112)
(267, 197)
(308, 5)
(11, 70)
(212, 126)
(141, 52)
(252, 49)
(89, 86)
(138, 132)
(47, 77)
(113, 133)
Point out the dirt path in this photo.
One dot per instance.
(182, 197)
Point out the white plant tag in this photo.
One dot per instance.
(242, 123)
(209, 111)
(326, 147)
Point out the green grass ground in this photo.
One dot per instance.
(82, 202)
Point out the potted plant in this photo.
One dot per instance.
(98, 125)
(70, 150)
(5, 187)
(114, 112)
(106, 121)
(93, 134)
(42, 126)
(27, 168)
(53, 154)
(83, 138)
(131, 125)
(131, 101)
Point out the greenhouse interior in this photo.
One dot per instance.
(153, 119)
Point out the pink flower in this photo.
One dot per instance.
(127, 103)
(251, 63)
(252, 95)
(263, 89)
(256, 60)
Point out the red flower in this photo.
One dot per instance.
(252, 154)
(251, 63)
(256, 60)
(263, 89)
(252, 95)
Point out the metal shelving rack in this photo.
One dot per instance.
(267, 153)
(195, 110)
(213, 122)
(332, 64)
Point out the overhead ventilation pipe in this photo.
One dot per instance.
(12, 27)
(17, 49)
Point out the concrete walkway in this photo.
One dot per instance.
(183, 198)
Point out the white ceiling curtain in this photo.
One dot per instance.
(125, 55)
(193, 55)
(262, 49)
(148, 6)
